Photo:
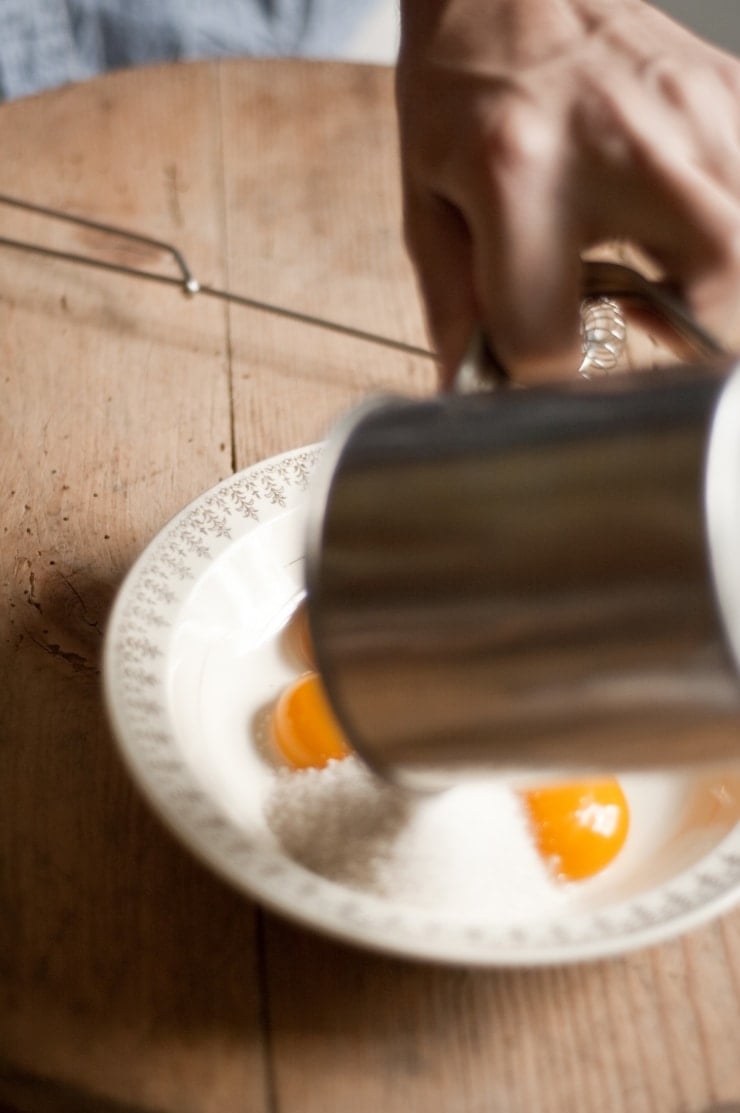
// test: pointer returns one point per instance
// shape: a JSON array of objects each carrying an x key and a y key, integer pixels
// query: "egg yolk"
[
  {"x": 300, "y": 635},
  {"x": 578, "y": 828},
  {"x": 304, "y": 729}
]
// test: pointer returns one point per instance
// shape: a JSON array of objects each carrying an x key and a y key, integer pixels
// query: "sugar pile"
[{"x": 467, "y": 850}]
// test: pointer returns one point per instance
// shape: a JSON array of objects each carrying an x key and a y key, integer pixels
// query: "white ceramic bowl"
[{"x": 195, "y": 657}]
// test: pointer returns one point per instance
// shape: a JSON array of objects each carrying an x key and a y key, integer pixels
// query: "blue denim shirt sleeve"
[{"x": 49, "y": 42}]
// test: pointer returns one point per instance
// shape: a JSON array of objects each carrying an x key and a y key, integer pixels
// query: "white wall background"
[{"x": 718, "y": 20}]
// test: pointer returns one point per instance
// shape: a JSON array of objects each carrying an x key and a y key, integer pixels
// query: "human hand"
[{"x": 532, "y": 130}]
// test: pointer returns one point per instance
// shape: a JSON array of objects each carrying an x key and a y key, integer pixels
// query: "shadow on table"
[{"x": 127, "y": 968}]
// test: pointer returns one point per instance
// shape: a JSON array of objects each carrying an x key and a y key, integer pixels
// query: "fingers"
[
  {"x": 527, "y": 251},
  {"x": 699, "y": 245},
  {"x": 698, "y": 105},
  {"x": 679, "y": 211},
  {"x": 656, "y": 186},
  {"x": 518, "y": 175},
  {"x": 440, "y": 246},
  {"x": 702, "y": 256},
  {"x": 505, "y": 255}
]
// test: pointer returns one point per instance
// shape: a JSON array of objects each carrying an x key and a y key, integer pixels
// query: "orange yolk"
[
  {"x": 304, "y": 728},
  {"x": 300, "y": 635},
  {"x": 578, "y": 828}
]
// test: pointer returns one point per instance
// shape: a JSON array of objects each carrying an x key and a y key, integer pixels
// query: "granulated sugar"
[{"x": 466, "y": 850}]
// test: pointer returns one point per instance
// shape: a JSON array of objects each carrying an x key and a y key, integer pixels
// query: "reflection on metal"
[
  {"x": 604, "y": 331},
  {"x": 521, "y": 581}
]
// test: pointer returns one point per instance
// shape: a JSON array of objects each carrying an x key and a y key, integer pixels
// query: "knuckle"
[
  {"x": 517, "y": 138},
  {"x": 599, "y": 125},
  {"x": 664, "y": 75}
]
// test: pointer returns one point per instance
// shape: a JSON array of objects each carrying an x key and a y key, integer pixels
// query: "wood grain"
[
  {"x": 128, "y": 974},
  {"x": 299, "y": 188},
  {"x": 129, "y": 971},
  {"x": 656, "y": 1031}
]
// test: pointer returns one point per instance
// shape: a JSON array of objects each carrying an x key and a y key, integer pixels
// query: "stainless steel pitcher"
[{"x": 534, "y": 581}]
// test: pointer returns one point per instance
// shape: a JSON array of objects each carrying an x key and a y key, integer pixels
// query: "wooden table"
[{"x": 129, "y": 974}]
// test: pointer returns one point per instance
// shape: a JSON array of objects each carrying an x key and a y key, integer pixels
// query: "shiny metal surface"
[
  {"x": 184, "y": 278},
  {"x": 623, "y": 290},
  {"x": 522, "y": 581}
]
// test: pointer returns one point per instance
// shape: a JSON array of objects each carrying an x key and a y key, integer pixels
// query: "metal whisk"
[
  {"x": 604, "y": 331},
  {"x": 605, "y": 286}
]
